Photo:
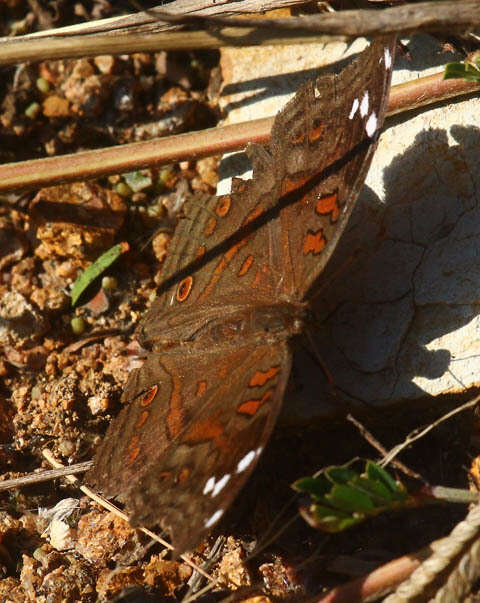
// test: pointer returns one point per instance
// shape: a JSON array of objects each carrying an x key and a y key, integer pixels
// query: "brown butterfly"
[{"x": 241, "y": 266}]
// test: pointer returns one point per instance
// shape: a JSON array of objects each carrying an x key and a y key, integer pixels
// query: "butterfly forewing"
[
  {"x": 274, "y": 234},
  {"x": 323, "y": 143}
]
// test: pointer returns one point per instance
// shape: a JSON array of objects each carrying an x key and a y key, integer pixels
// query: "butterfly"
[{"x": 234, "y": 298}]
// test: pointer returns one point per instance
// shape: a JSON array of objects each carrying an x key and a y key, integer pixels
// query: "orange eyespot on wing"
[
  {"x": 149, "y": 396},
  {"x": 223, "y": 206},
  {"x": 184, "y": 288}
]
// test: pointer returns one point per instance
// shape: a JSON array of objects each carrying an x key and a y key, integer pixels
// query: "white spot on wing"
[
  {"x": 246, "y": 461},
  {"x": 214, "y": 518},
  {"x": 388, "y": 58},
  {"x": 354, "y": 108},
  {"x": 371, "y": 125},
  {"x": 364, "y": 104},
  {"x": 209, "y": 485},
  {"x": 221, "y": 484}
]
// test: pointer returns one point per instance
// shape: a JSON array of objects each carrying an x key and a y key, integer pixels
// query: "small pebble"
[
  {"x": 43, "y": 85},
  {"x": 66, "y": 447},
  {"x": 78, "y": 325},
  {"x": 98, "y": 404},
  {"x": 155, "y": 211},
  {"x": 32, "y": 110},
  {"x": 109, "y": 283},
  {"x": 40, "y": 555},
  {"x": 165, "y": 176},
  {"x": 123, "y": 189}
]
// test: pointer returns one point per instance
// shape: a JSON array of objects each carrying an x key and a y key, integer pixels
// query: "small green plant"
[
  {"x": 87, "y": 277},
  {"x": 342, "y": 498},
  {"x": 469, "y": 70}
]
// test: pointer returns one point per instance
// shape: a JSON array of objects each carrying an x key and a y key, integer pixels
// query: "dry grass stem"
[{"x": 195, "y": 145}]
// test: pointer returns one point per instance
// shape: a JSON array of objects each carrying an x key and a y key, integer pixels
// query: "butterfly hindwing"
[{"x": 212, "y": 432}]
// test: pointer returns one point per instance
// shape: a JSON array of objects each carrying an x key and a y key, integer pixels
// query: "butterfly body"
[
  {"x": 235, "y": 294},
  {"x": 230, "y": 323}
]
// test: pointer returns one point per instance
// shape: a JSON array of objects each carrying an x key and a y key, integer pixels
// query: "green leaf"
[
  {"x": 330, "y": 520},
  {"x": 340, "y": 475},
  {"x": 350, "y": 499},
  {"x": 467, "y": 71},
  {"x": 95, "y": 269},
  {"x": 324, "y": 513},
  {"x": 378, "y": 474},
  {"x": 378, "y": 491},
  {"x": 316, "y": 487}
]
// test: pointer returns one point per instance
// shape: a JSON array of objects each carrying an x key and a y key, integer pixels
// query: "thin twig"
[
  {"x": 214, "y": 555},
  {"x": 149, "y": 22},
  {"x": 36, "y": 173},
  {"x": 44, "y": 476},
  {"x": 425, "y": 16},
  {"x": 378, "y": 582},
  {"x": 416, "y": 434},
  {"x": 381, "y": 449}
]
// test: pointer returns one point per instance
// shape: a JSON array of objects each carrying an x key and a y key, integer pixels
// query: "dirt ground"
[{"x": 61, "y": 385}]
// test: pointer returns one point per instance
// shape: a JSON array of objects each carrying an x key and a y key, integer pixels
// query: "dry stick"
[
  {"x": 21, "y": 50},
  {"x": 148, "y": 21},
  {"x": 378, "y": 582},
  {"x": 381, "y": 449},
  {"x": 427, "y": 16},
  {"x": 44, "y": 476},
  {"x": 114, "y": 160},
  {"x": 108, "y": 505},
  {"x": 194, "y": 145},
  {"x": 213, "y": 556},
  {"x": 416, "y": 435},
  {"x": 227, "y": 31}
]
